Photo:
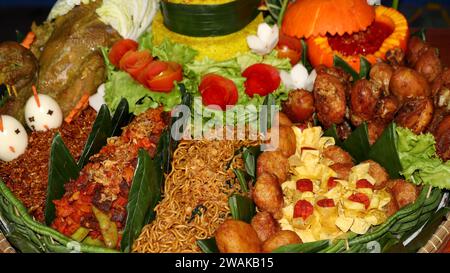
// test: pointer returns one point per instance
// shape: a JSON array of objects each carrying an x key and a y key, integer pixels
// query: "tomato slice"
[
  {"x": 331, "y": 183},
  {"x": 303, "y": 209},
  {"x": 326, "y": 203},
  {"x": 218, "y": 90},
  {"x": 304, "y": 185},
  {"x": 363, "y": 183},
  {"x": 164, "y": 82},
  {"x": 360, "y": 198},
  {"x": 152, "y": 70},
  {"x": 262, "y": 79},
  {"x": 134, "y": 62},
  {"x": 289, "y": 47},
  {"x": 119, "y": 49}
]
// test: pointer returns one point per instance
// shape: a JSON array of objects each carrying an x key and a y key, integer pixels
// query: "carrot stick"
[
  {"x": 29, "y": 39},
  {"x": 82, "y": 104},
  {"x": 36, "y": 97}
]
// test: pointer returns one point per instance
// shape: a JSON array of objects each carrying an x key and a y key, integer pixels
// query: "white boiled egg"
[
  {"x": 43, "y": 113},
  {"x": 13, "y": 138}
]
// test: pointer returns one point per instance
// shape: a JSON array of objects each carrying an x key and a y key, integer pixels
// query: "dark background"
[{"x": 17, "y": 15}]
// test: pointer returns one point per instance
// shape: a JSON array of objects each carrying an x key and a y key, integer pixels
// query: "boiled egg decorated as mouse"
[
  {"x": 42, "y": 112},
  {"x": 13, "y": 138}
]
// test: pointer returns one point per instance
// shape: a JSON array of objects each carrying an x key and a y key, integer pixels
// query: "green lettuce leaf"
[{"x": 419, "y": 160}]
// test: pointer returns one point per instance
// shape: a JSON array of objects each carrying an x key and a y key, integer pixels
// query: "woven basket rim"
[{"x": 439, "y": 238}]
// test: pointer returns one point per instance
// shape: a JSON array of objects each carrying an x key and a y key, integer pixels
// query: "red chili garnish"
[
  {"x": 360, "y": 198},
  {"x": 326, "y": 203},
  {"x": 303, "y": 209},
  {"x": 304, "y": 185},
  {"x": 363, "y": 184},
  {"x": 217, "y": 90},
  {"x": 119, "y": 49},
  {"x": 262, "y": 79},
  {"x": 331, "y": 183}
]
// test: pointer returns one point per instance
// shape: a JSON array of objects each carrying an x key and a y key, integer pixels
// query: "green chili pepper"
[
  {"x": 80, "y": 234},
  {"x": 107, "y": 227}
]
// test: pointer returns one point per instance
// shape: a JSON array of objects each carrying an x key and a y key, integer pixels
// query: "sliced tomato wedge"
[
  {"x": 304, "y": 185},
  {"x": 165, "y": 81},
  {"x": 119, "y": 49},
  {"x": 303, "y": 209},
  {"x": 360, "y": 198},
  {"x": 331, "y": 183},
  {"x": 363, "y": 184},
  {"x": 152, "y": 70},
  {"x": 326, "y": 203},
  {"x": 262, "y": 79},
  {"x": 134, "y": 62},
  {"x": 290, "y": 48},
  {"x": 218, "y": 90}
]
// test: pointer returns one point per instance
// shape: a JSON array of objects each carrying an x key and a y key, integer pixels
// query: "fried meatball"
[
  {"x": 405, "y": 193},
  {"x": 265, "y": 225},
  {"x": 387, "y": 107},
  {"x": 416, "y": 114},
  {"x": 441, "y": 81},
  {"x": 442, "y": 135},
  {"x": 282, "y": 120},
  {"x": 273, "y": 163},
  {"x": 381, "y": 74},
  {"x": 342, "y": 170},
  {"x": 338, "y": 72},
  {"x": 284, "y": 140},
  {"x": 281, "y": 238},
  {"x": 330, "y": 100},
  {"x": 407, "y": 83},
  {"x": 375, "y": 129},
  {"x": 337, "y": 154},
  {"x": 392, "y": 207},
  {"x": 237, "y": 237},
  {"x": 429, "y": 64},
  {"x": 268, "y": 195},
  {"x": 415, "y": 47},
  {"x": 299, "y": 106},
  {"x": 378, "y": 173},
  {"x": 363, "y": 101}
]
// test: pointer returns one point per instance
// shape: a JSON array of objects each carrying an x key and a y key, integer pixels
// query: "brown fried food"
[
  {"x": 282, "y": 120},
  {"x": 416, "y": 114},
  {"x": 378, "y": 173},
  {"x": 338, "y": 72},
  {"x": 407, "y": 83},
  {"x": 395, "y": 57},
  {"x": 281, "y": 238},
  {"x": 441, "y": 81},
  {"x": 267, "y": 194},
  {"x": 237, "y": 237},
  {"x": 337, "y": 154},
  {"x": 415, "y": 47},
  {"x": 363, "y": 101},
  {"x": 429, "y": 64},
  {"x": 442, "y": 135},
  {"x": 286, "y": 140},
  {"x": 300, "y": 106},
  {"x": 392, "y": 207},
  {"x": 387, "y": 107},
  {"x": 330, "y": 100},
  {"x": 265, "y": 225},
  {"x": 18, "y": 68},
  {"x": 375, "y": 129},
  {"x": 273, "y": 163},
  {"x": 344, "y": 130},
  {"x": 405, "y": 193},
  {"x": 342, "y": 170},
  {"x": 381, "y": 74}
]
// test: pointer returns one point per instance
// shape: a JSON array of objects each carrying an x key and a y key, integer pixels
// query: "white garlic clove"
[
  {"x": 43, "y": 113},
  {"x": 13, "y": 138}
]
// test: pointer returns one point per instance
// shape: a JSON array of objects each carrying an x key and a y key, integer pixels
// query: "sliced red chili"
[
  {"x": 303, "y": 209},
  {"x": 360, "y": 198},
  {"x": 304, "y": 185},
  {"x": 331, "y": 183},
  {"x": 326, "y": 203},
  {"x": 364, "y": 184}
]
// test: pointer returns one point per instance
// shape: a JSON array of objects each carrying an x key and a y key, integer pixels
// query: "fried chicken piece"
[
  {"x": 363, "y": 101},
  {"x": 273, "y": 163},
  {"x": 416, "y": 114},
  {"x": 235, "y": 236},
  {"x": 381, "y": 74},
  {"x": 281, "y": 238},
  {"x": 267, "y": 195},
  {"x": 265, "y": 225}
]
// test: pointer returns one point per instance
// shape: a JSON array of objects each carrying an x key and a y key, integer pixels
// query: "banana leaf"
[
  {"x": 384, "y": 151},
  {"x": 145, "y": 193},
  {"x": 357, "y": 144},
  {"x": 121, "y": 117},
  {"x": 208, "y": 245},
  {"x": 250, "y": 157},
  {"x": 365, "y": 68},
  {"x": 101, "y": 130},
  {"x": 240, "y": 175},
  {"x": 305, "y": 60},
  {"x": 332, "y": 132},
  {"x": 242, "y": 208},
  {"x": 339, "y": 62},
  {"x": 62, "y": 168}
]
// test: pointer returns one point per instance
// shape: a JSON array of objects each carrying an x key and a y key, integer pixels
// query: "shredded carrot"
[
  {"x": 36, "y": 97},
  {"x": 29, "y": 39},
  {"x": 81, "y": 105}
]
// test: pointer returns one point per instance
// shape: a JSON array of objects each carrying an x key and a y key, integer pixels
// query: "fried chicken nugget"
[
  {"x": 265, "y": 225},
  {"x": 281, "y": 238},
  {"x": 268, "y": 195},
  {"x": 235, "y": 236}
]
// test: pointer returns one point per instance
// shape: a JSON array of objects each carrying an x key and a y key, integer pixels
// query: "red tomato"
[
  {"x": 303, "y": 209},
  {"x": 134, "y": 62},
  {"x": 217, "y": 90},
  {"x": 363, "y": 183},
  {"x": 164, "y": 82},
  {"x": 262, "y": 79},
  {"x": 360, "y": 198},
  {"x": 289, "y": 47},
  {"x": 304, "y": 185},
  {"x": 119, "y": 49},
  {"x": 326, "y": 203},
  {"x": 331, "y": 183}
]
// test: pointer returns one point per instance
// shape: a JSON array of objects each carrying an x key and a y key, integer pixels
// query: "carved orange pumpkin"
[
  {"x": 306, "y": 18},
  {"x": 389, "y": 31}
]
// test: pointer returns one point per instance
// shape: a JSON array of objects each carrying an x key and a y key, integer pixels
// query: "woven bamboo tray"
[
  {"x": 439, "y": 238},
  {"x": 5, "y": 247}
]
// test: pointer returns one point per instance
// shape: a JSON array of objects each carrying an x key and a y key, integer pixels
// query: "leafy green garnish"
[
  {"x": 357, "y": 144},
  {"x": 242, "y": 208},
  {"x": 208, "y": 245},
  {"x": 62, "y": 168}
]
